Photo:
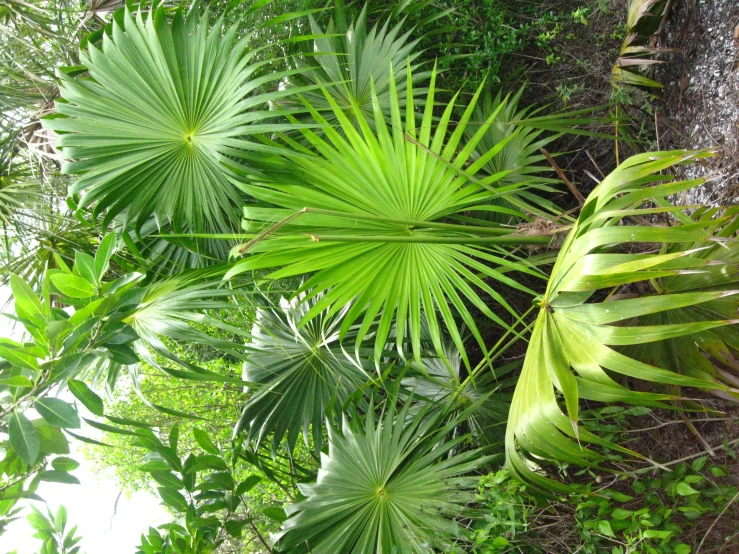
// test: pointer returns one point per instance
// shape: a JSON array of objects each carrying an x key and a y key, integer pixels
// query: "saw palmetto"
[
  {"x": 164, "y": 119},
  {"x": 302, "y": 374},
  {"x": 351, "y": 61},
  {"x": 601, "y": 301},
  {"x": 372, "y": 217},
  {"x": 389, "y": 483}
]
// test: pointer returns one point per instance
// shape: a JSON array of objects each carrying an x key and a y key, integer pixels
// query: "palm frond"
[
  {"x": 46, "y": 240},
  {"x": 442, "y": 383},
  {"x": 346, "y": 61},
  {"x": 577, "y": 351},
  {"x": 389, "y": 484},
  {"x": 302, "y": 374},
  {"x": 17, "y": 193},
  {"x": 637, "y": 52},
  {"x": 155, "y": 129},
  {"x": 713, "y": 353},
  {"x": 173, "y": 309},
  {"x": 370, "y": 217},
  {"x": 158, "y": 250},
  {"x": 519, "y": 159}
]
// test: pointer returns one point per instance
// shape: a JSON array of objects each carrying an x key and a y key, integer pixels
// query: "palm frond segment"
[{"x": 577, "y": 347}]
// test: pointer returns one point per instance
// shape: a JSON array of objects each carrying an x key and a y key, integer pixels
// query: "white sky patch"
[{"x": 108, "y": 520}]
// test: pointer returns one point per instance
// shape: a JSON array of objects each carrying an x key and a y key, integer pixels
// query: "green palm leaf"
[
  {"x": 173, "y": 309},
  {"x": 45, "y": 240},
  {"x": 370, "y": 216},
  {"x": 385, "y": 486},
  {"x": 443, "y": 383},
  {"x": 17, "y": 193},
  {"x": 519, "y": 159},
  {"x": 156, "y": 128},
  {"x": 157, "y": 251},
  {"x": 347, "y": 66},
  {"x": 302, "y": 373},
  {"x": 576, "y": 347},
  {"x": 712, "y": 353}
]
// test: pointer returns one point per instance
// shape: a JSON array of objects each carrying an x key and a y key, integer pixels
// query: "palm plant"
[
  {"x": 637, "y": 54},
  {"x": 44, "y": 240},
  {"x": 302, "y": 374},
  {"x": 571, "y": 333},
  {"x": 17, "y": 193},
  {"x": 157, "y": 128},
  {"x": 158, "y": 250},
  {"x": 441, "y": 382},
  {"x": 519, "y": 160},
  {"x": 347, "y": 61},
  {"x": 387, "y": 484},
  {"x": 174, "y": 309},
  {"x": 712, "y": 353},
  {"x": 370, "y": 219}
]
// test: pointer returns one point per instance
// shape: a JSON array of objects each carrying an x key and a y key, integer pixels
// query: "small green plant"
[
  {"x": 566, "y": 92},
  {"x": 580, "y": 15},
  {"x": 52, "y": 530},
  {"x": 655, "y": 517},
  {"x": 545, "y": 39},
  {"x": 507, "y": 514}
]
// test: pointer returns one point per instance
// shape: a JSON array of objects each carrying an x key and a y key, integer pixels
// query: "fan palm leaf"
[
  {"x": 17, "y": 193},
  {"x": 443, "y": 383},
  {"x": 46, "y": 240},
  {"x": 348, "y": 60},
  {"x": 173, "y": 309},
  {"x": 369, "y": 216},
  {"x": 301, "y": 373},
  {"x": 577, "y": 346},
  {"x": 520, "y": 158},
  {"x": 386, "y": 485},
  {"x": 158, "y": 250},
  {"x": 156, "y": 127}
]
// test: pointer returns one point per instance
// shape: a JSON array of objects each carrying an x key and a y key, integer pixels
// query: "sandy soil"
[{"x": 700, "y": 106}]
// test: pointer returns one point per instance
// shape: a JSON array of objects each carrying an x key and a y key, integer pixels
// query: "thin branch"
[
  {"x": 570, "y": 185},
  {"x": 697, "y": 550}
]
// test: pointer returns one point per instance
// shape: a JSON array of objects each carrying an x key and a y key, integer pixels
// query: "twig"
[
  {"x": 663, "y": 424},
  {"x": 686, "y": 458},
  {"x": 595, "y": 163},
  {"x": 264, "y": 234},
  {"x": 616, "y": 128},
  {"x": 573, "y": 189},
  {"x": 697, "y": 550},
  {"x": 698, "y": 435}
]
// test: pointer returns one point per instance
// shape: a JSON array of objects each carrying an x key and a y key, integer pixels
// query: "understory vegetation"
[{"x": 333, "y": 277}]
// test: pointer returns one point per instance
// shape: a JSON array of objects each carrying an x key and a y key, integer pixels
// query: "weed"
[
  {"x": 566, "y": 92},
  {"x": 580, "y": 15},
  {"x": 653, "y": 513}
]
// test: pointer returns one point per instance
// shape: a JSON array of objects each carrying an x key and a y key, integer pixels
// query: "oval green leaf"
[
  {"x": 72, "y": 286},
  {"x": 58, "y": 413}
]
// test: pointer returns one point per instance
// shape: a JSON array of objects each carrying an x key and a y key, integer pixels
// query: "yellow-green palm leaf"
[
  {"x": 373, "y": 218},
  {"x": 577, "y": 349}
]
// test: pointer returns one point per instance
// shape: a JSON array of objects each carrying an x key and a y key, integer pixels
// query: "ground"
[{"x": 700, "y": 104}]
